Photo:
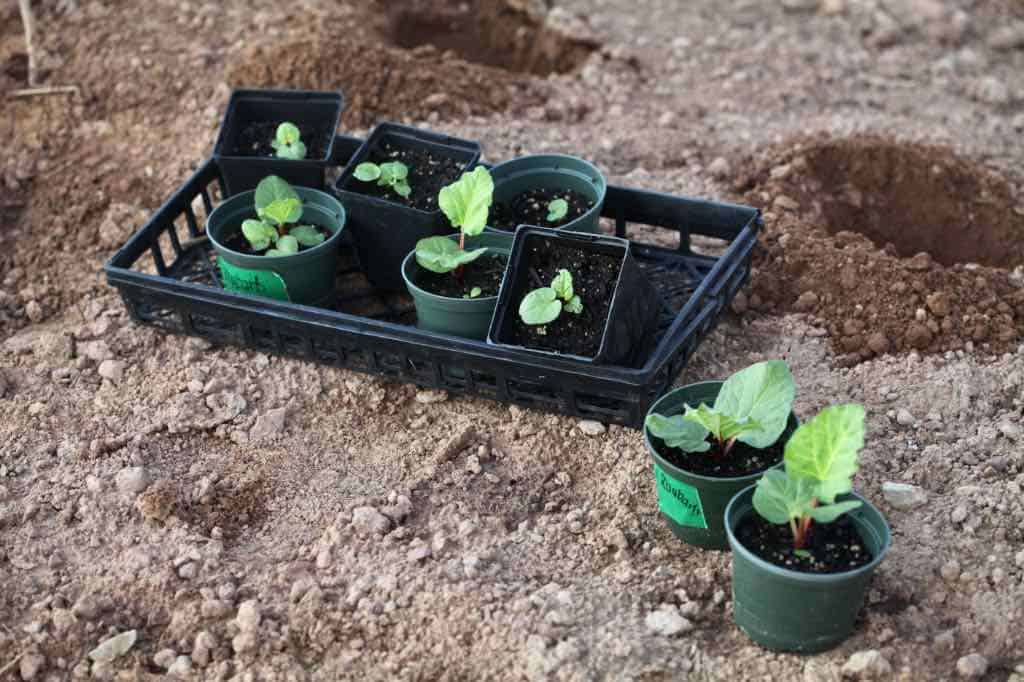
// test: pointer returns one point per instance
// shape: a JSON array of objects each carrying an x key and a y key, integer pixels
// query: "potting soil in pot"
[
  {"x": 831, "y": 547},
  {"x": 742, "y": 459},
  {"x": 429, "y": 171},
  {"x": 255, "y": 139},
  {"x": 485, "y": 272},
  {"x": 531, "y": 208}
]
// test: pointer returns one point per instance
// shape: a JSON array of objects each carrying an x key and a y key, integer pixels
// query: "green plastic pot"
[
  {"x": 306, "y": 277},
  {"x": 787, "y": 610},
  {"x": 692, "y": 504},
  {"x": 557, "y": 171},
  {"x": 466, "y": 317}
]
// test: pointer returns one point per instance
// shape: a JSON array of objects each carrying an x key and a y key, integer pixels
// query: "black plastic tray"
[{"x": 167, "y": 279}]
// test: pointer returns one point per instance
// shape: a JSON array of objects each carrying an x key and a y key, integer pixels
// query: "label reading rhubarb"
[
  {"x": 255, "y": 282},
  {"x": 679, "y": 501}
]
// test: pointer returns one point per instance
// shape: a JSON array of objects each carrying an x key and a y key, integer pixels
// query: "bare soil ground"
[{"x": 258, "y": 518}]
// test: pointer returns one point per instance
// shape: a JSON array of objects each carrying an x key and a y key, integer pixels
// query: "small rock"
[
  {"x": 878, "y": 342},
  {"x": 950, "y": 570},
  {"x": 30, "y": 665},
  {"x": 248, "y": 617},
  {"x": 165, "y": 658},
  {"x": 399, "y": 511},
  {"x": 203, "y": 648},
  {"x": 591, "y": 428},
  {"x": 34, "y": 311},
  {"x": 1019, "y": 559},
  {"x": 944, "y": 642},
  {"x": 87, "y": 607},
  {"x": 429, "y": 397},
  {"x": 919, "y": 262},
  {"x": 959, "y": 514},
  {"x": 807, "y": 302},
  {"x": 866, "y": 665},
  {"x": 786, "y": 203},
  {"x": 419, "y": 553},
  {"x": 243, "y": 642},
  {"x": 903, "y": 495},
  {"x": 1010, "y": 431},
  {"x": 181, "y": 668},
  {"x": 132, "y": 480},
  {"x": 800, "y": 5},
  {"x": 919, "y": 336},
  {"x": 112, "y": 370},
  {"x": 972, "y": 665},
  {"x": 904, "y": 417},
  {"x": 990, "y": 90},
  {"x": 1009, "y": 37},
  {"x": 740, "y": 303},
  {"x": 188, "y": 570},
  {"x": 667, "y": 622},
  {"x": 369, "y": 520},
  {"x": 114, "y": 647},
  {"x": 268, "y": 425},
  {"x": 719, "y": 168}
]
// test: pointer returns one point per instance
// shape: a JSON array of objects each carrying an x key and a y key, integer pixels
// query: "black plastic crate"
[{"x": 167, "y": 278}]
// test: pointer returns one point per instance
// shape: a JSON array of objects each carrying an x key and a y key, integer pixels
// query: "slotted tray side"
[{"x": 167, "y": 277}]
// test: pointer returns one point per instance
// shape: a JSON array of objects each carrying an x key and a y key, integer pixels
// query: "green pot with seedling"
[
  {"x": 454, "y": 280},
  {"x": 287, "y": 133},
  {"x": 548, "y": 190},
  {"x": 278, "y": 241},
  {"x": 804, "y": 545},
  {"x": 712, "y": 439}
]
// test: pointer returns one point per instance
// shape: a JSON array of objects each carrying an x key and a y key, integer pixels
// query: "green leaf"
[
  {"x": 830, "y": 512},
  {"x": 393, "y": 171},
  {"x": 287, "y": 245},
  {"x": 441, "y": 254},
  {"x": 273, "y": 188},
  {"x": 762, "y": 393},
  {"x": 540, "y": 306},
  {"x": 258, "y": 234},
  {"x": 779, "y": 498},
  {"x": 466, "y": 201},
  {"x": 562, "y": 284},
  {"x": 723, "y": 426},
  {"x": 367, "y": 172},
  {"x": 803, "y": 554},
  {"x": 287, "y": 134},
  {"x": 275, "y": 252},
  {"x": 402, "y": 188},
  {"x": 825, "y": 450},
  {"x": 307, "y": 235},
  {"x": 557, "y": 210},
  {"x": 281, "y": 211},
  {"x": 574, "y": 306},
  {"x": 475, "y": 292},
  {"x": 292, "y": 152},
  {"x": 678, "y": 432}
]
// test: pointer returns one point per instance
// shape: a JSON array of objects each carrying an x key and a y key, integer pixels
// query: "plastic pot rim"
[
  {"x": 410, "y": 260},
  {"x": 800, "y": 576},
  {"x": 250, "y": 194}
]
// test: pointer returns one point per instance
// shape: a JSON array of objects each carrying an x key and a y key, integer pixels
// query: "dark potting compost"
[
  {"x": 742, "y": 459},
  {"x": 485, "y": 272},
  {"x": 255, "y": 139},
  {"x": 237, "y": 242},
  {"x": 831, "y": 548},
  {"x": 429, "y": 171},
  {"x": 531, "y": 208}
]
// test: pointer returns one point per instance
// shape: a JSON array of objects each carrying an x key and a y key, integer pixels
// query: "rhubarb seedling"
[
  {"x": 278, "y": 207},
  {"x": 543, "y": 306},
  {"x": 393, "y": 174},
  {"x": 287, "y": 142}
]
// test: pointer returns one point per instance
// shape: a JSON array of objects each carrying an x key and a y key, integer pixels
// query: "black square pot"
[
  {"x": 632, "y": 316},
  {"x": 385, "y": 232},
  {"x": 308, "y": 109}
]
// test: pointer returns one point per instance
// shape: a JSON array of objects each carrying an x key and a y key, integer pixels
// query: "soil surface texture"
[
  {"x": 594, "y": 277},
  {"x": 429, "y": 172},
  {"x": 531, "y": 208},
  {"x": 237, "y": 242},
  {"x": 830, "y": 548},
  {"x": 742, "y": 459},
  {"x": 255, "y": 139},
  {"x": 485, "y": 272}
]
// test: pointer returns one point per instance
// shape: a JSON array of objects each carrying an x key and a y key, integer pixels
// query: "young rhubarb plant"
[
  {"x": 752, "y": 407},
  {"x": 278, "y": 207},
  {"x": 287, "y": 142},
  {"x": 393, "y": 174},
  {"x": 557, "y": 210},
  {"x": 543, "y": 306},
  {"x": 821, "y": 459}
]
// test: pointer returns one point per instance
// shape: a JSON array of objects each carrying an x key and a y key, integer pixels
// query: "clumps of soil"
[
  {"x": 872, "y": 298},
  {"x": 831, "y": 547},
  {"x": 594, "y": 278},
  {"x": 429, "y": 171},
  {"x": 531, "y": 208},
  {"x": 485, "y": 272},
  {"x": 742, "y": 459},
  {"x": 237, "y": 242},
  {"x": 255, "y": 138}
]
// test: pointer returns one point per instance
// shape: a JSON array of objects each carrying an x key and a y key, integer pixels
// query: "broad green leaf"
[
  {"x": 540, "y": 306},
  {"x": 779, "y": 498},
  {"x": 307, "y": 235},
  {"x": 292, "y": 152},
  {"x": 803, "y": 553},
  {"x": 258, "y": 234},
  {"x": 281, "y": 211},
  {"x": 402, "y": 188},
  {"x": 273, "y": 188},
  {"x": 574, "y": 306},
  {"x": 678, "y": 432},
  {"x": 763, "y": 393},
  {"x": 830, "y": 512},
  {"x": 441, "y": 254},
  {"x": 562, "y": 284},
  {"x": 466, "y": 201},
  {"x": 723, "y": 426},
  {"x": 287, "y": 244},
  {"x": 367, "y": 172},
  {"x": 287, "y": 133},
  {"x": 825, "y": 450},
  {"x": 557, "y": 210},
  {"x": 393, "y": 171},
  {"x": 475, "y": 292}
]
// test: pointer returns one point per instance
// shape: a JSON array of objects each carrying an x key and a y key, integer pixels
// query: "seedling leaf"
[
  {"x": 441, "y": 254},
  {"x": 574, "y": 306},
  {"x": 307, "y": 235},
  {"x": 271, "y": 189},
  {"x": 825, "y": 450},
  {"x": 473, "y": 293},
  {"x": 723, "y": 426},
  {"x": 677, "y": 432},
  {"x": 281, "y": 211},
  {"x": 367, "y": 172},
  {"x": 540, "y": 306},
  {"x": 779, "y": 498},
  {"x": 562, "y": 285},
  {"x": 557, "y": 210},
  {"x": 762, "y": 393},
  {"x": 830, "y": 512},
  {"x": 258, "y": 234},
  {"x": 402, "y": 189},
  {"x": 466, "y": 201},
  {"x": 287, "y": 133}
]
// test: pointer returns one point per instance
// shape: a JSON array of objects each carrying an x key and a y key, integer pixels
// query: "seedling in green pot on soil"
[
  {"x": 274, "y": 232},
  {"x": 543, "y": 306},
  {"x": 393, "y": 174},
  {"x": 287, "y": 142},
  {"x": 821, "y": 459},
  {"x": 465, "y": 202},
  {"x": 557, "y": 210},
  {"x": 752, "y": 407}
]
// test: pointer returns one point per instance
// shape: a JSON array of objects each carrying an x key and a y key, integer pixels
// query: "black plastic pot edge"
[
  {"x": 385, "y": 232},
  {"x": 631, "y": 316},
  {"x": 242, "y": 173}
]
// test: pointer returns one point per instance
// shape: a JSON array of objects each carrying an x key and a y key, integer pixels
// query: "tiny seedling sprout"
[
  {"x": 278, "y": 207},
  {"x": 393, "y": 174},
  {"x": 557, "y": 210},
  {"x": 287, "y": 143},
  {"x": 544, "y": 305},
  {"x": 752, "y": 407}
]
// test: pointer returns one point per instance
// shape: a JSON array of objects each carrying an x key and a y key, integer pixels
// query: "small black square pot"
[
  {"x": 632, "y": 316},
  {"x": 385, "y": 232},
  {"x": 319, "y": 111}
]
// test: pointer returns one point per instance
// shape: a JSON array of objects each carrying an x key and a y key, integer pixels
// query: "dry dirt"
[{"x": 258, "y": 518}]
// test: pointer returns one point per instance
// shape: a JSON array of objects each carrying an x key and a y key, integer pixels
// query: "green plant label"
[
  {"x": 679, "y": 501},
  {"x": 255, "y": 282}
]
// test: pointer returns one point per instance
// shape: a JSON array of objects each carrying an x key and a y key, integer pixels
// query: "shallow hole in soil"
[
  {"x": 492, "y": 32},
  {"x": 917, "y": 198}
]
